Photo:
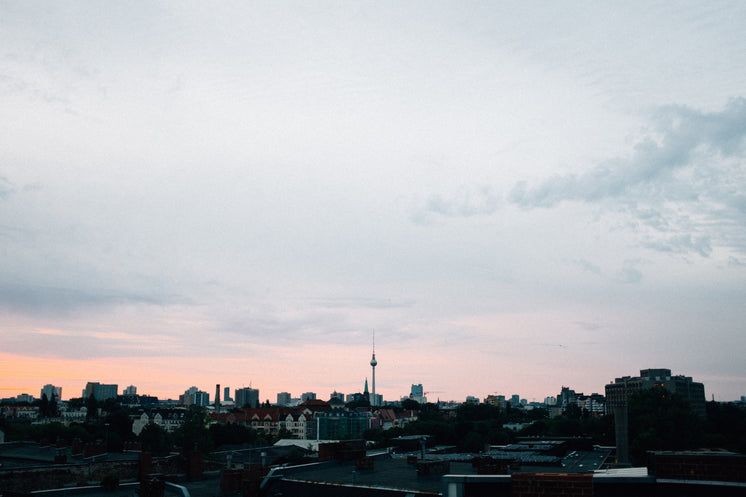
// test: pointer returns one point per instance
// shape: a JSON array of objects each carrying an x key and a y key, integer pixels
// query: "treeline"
[
  {"x": 114, "y": 430},
  {"x": 472, "y": 427}
]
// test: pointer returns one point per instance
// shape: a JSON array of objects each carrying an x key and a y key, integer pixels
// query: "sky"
[{"x": 506, "y": 197}]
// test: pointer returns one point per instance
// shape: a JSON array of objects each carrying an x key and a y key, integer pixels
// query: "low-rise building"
[
  {"x": 337, "y": 424},
  {"x": 168, "y": 419}
]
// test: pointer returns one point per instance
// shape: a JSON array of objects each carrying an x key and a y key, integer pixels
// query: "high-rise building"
[
  {"x": 417, "y": 394},
  {"x": 227, "y": 394},
  {"x": 194, "y": 396},
  {"x": 130, "y": 390},
  {"x": 567, "y": 397},
  {"x": 337, "y": 395},
  {"x": 283, "y": 399},
  {"x": 247, "y": 397},
  {"x": 201, "y": 399},
  {"x": 619, "y": 392},
  {"x": 51, "y": 391},
  {"x": 100, "y": 391},
  {"x": 307, "y": 396}
]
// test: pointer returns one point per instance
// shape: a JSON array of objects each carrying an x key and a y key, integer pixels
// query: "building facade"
[
  {"x": 337, "y": 424},
  {"x": 51, "y": 391},
  {"x": 100, "y": 391},
  {"x": 307, "y": 396},
  {"x": 619, "y": 392},
  {"x": 247, "y": 397}
]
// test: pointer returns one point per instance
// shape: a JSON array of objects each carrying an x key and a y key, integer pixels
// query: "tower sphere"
[{"x": 373, "y": 362}]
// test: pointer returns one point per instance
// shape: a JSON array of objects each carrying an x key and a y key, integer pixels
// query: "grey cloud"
[
  {"x": 45, "y": 300},
  {"x": 629, "y": 272},
  {"x": 5, "y": 187},
  {"x": 682, "y": 243},
  {"x": 680, "y": 133},
  {"x": 589, "y": 326},
  {"x": 480, "y": 201},
  {"x": 76, "y": 345},
  {"x": 736, "y": 262},
  {"x": 588, "y": 266},
  {"x": 365, "y": 303},
  {"x": 682, "y": 184}
]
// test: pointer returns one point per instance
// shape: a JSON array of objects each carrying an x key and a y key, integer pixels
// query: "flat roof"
[{"x": 387, "y": 472}]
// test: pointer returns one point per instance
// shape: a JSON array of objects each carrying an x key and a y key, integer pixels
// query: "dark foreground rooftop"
[{"x": 386, "y": 473}]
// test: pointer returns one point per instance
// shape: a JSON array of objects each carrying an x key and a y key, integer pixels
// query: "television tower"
[{"x": 373, "y": 364}]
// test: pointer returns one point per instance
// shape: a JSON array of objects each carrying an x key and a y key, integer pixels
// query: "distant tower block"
[{"x": 373, "y": 364}]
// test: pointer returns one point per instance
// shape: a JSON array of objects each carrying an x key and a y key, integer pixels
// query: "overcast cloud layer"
[{"x": 514, "y": 196}]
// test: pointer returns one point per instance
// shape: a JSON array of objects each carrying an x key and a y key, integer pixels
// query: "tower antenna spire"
[{"x": 373, "y": 363}]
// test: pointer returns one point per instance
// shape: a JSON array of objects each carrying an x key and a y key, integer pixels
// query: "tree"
[
  {"x": 44, "y": 406},
  {"x": 91, "y": 405},
  {"x": 154, "y": 439},
  {"x": 193, "y": 432},
  {"x": 118, "y": 428},
  {"x": 231, "y": 433},
  {"x": 362, "y": 402},
  {"x": 661, "y": 420},
  {"x": 572, "y": 411},
  {"x": 726, "y": 427}
]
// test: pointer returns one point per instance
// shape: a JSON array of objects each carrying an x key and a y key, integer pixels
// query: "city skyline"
[
  {"x": 513, "y": 196},
  {"x": 417, "y": 391}
]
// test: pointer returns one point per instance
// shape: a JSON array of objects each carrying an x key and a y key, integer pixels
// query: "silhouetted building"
[
  {"x": 194, "y": 397},
  {"x": 247, "y": 397},
  {"x": 619, "y": 392},
  {"x": 567, "y": 397},
  {"x": 307, "y": 396},
  {"x": 51, "y": 391},
  {"x": 283, "y": 399},
  {"x": 356, "y": 397},
  {"x": 100, "y": 391},
  {"x": 417, "y": 393}
]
